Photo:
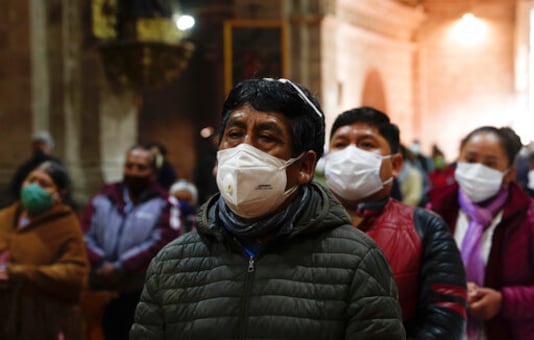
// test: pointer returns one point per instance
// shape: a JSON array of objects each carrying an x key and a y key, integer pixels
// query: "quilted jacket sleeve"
[
  {"x": 441, "y": 307},
  {"x": 374, "y": 309},
  {"x": 149, "y": 322}
]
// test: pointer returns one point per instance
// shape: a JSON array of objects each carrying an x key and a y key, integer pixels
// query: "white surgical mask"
[
  {"x": 478, "y": 181},
  {"x": 252, "y": 182},
  {"x": 353, "y": 173}
]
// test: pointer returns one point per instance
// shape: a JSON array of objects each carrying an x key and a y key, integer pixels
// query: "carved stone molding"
[{"x": 386, "y": 17}]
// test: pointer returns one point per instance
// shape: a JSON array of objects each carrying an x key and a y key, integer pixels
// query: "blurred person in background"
[
  {"x": 424, "y": 164},
  {"x": 410, "y": 178},
  {"x": 43, "y": 263},
  {"x": 492, "y": 219},
  {"x": 184, "y": 194},
  {"x": 364, "y": 158},
  {"x": 42, "y": 146},
  {"x": 125, "y": 225},
  {"x": 166, "y": 174},
  {"x": 443, "y": 174},
  {"x": 423, "y": 161}
]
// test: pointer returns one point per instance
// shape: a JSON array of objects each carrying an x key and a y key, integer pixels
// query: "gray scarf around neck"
[{"x": 275, "y": 225}]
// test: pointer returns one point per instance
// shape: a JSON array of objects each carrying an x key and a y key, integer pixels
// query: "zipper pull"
[{"x": 251, "y": 264}]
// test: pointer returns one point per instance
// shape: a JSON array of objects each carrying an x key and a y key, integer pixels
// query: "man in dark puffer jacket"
[
  {"x": 273, "y": 256},
  {"x": 363, "y": 159}
]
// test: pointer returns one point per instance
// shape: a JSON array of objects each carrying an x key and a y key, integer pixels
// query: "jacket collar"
[
  {"x": 322, "y": 212},
  {"x": 55, "y": 211},
  {"x": 115, "y": 193},
  {"x": 370, "y": 211},
  {"x": 444, "y": 201},
  {"x": 366, "y": 209}
]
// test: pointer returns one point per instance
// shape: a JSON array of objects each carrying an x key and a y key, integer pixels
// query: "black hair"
[
  {"x": 57, "y": 173},
  {"x": 307, "y": 126},
  {"x": 148, "y": 148},
  {"x": 510, "y": 141},
  {"x": 373, "y": 117}
]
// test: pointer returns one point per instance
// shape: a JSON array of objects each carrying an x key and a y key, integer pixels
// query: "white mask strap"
[
  {"x": 292, "y": 160},
  {"x": 387, "y": 181}
]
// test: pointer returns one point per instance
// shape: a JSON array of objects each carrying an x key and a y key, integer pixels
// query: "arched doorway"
[{"x": 373, "y": 91}]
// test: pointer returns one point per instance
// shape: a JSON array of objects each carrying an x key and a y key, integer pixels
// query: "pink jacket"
[{"x": 510, "y": 267}]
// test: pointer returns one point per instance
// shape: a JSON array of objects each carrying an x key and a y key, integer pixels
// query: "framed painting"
[{"x": 254, "y": 49}]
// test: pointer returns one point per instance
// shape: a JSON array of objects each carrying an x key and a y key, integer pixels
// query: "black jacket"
[{"x": 427, "y": 266}]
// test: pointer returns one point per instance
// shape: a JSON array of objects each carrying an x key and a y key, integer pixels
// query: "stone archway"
[{"x": 373, "y": 93}]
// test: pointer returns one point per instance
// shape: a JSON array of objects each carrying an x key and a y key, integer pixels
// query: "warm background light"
[
  {"x": 207, "y": 132},
  {"x": 469, "y": 29},
  {"x": 185, "y": 22}
]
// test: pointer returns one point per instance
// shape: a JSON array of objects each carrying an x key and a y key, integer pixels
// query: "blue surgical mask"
[{"x": 35, "y": 199}]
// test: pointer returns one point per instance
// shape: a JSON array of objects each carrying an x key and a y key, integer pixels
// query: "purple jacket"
[
  {"x": 510, "y": 267},
  {"x": 131, "y": 238}
]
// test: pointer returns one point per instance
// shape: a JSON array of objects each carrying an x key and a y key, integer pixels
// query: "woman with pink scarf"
[{"x": 492, "y": 220}]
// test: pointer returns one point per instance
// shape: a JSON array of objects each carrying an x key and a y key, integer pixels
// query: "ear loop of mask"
[
  {"x": 389, "y": 180},
  {"x": 291, "y": 161}
]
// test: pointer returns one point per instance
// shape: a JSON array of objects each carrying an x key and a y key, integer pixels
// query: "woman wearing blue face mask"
[
  {"x": 492, "y": 219},
  {"x": 43, "y": 265}
]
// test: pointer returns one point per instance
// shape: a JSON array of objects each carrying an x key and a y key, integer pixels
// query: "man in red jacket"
[{"x": 363, "y": 160}]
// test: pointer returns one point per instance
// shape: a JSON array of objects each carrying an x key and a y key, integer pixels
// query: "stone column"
[
  {"x": 305, "y": 18},
  {"x": 40, "y": 99},
  {"x": 94, "y": 125},
  {"x": 118, "y": 126},
  {"x": 71, "y": 82},
  {"x": 16, "y": 88}
]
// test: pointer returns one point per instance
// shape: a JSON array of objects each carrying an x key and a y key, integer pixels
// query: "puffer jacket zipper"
[
  {"x": 251, "y": 271},
  {"x": 251, "y": 265}
]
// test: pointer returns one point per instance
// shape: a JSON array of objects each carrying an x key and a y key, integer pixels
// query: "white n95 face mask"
[
  {"x": 478, "y": 181},
  {"x": 252, "y": 182},
  {"x": 353, "y": 173}
]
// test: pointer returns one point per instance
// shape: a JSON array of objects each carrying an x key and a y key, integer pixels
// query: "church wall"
[
  {"x": 353, "y": 48},
  {"x": 15, "y": 88},
  {"x": 466, "y": 85}
]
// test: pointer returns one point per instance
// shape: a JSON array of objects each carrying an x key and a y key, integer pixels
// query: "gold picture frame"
[{"x": 253, "y": 49}]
